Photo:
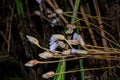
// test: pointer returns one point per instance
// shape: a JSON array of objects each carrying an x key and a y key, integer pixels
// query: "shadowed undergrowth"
[{"x": 96, "y": 24}]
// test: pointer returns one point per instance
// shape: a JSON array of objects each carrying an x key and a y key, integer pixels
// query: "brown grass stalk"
[
  {"x": 91, "y": 69},
  {"x": 10, "y": 26},
  {"x": 55, "y": 6},
  {"x": 71, "y": 3},
  {"x": 87, "y": 23},
  {"x": 100, "y": 21}
]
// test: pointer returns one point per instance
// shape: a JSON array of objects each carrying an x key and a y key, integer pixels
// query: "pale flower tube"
[
  {"x": 59, "y": 36},
  {"x": 74, "y": 51},
  {"x": 45, "y": 55}
]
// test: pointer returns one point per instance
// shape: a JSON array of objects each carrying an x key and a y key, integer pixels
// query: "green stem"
[
  {"x": 20, "y": 8},
  {"x": 61, "y": 68},
  {"x": 77, "y": 3}
]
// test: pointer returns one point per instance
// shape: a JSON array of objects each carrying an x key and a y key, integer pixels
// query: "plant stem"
[
  {"x": 60, "y": 69},
  {"x": 77, "y": 3},
  {"x": 87, "y": 23},
  {"x": 90, "y": 69}
]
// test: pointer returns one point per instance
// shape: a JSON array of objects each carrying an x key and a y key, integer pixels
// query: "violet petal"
[
  {"x": 75, "y": 35},
  {"x": 79, "y": 38},
  {"x": 39, "y": 1},
  {"x": 53, "y": 47},
  {"x": 52, "y": 40},
  {"x": 76, "y": 51},
  {"x": 73, "y": 51}
]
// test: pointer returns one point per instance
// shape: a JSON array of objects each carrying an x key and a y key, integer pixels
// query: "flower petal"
[
  {"x": 79, "y": 38},
  {"x": 53, "y": 47},
  {"x": 52, "y": 40},
  {"x": 39, "y": 1}
]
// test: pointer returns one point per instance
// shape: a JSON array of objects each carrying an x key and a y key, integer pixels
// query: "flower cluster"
[{"x": 57, "y": 40}]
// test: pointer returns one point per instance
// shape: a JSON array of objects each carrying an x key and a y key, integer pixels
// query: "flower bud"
[
  {"x": 61, "y": 44},
  {"x": 37, "y": 13},
  {"x": 48, "y": 75},
  {"x": 71, "y": 26},
  {"x": 59, "y": 11},
  {"x": 69, "y": 31},
  {"x": 32, "y": 39},
  {"x": 32, "y": 63},
  {"x": 46, "y": 55}
]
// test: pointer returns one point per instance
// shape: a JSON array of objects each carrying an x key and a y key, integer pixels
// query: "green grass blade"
[
  {"x": 76, "y": 7},
  {"x": 77, "y": 3},
  {"x": 61, "y": 68},
  {"x": 19, "y": 6}
]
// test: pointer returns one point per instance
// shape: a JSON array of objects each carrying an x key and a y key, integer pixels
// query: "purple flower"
[
  {"x": 76, "y": 51},
  {"x": 75, "y": 35},
  {"x": 52, "y": 40},
  {"x": 53, "y": 47},
  {"x": 73, "y": 51},
  {"x": 39, "y": 1},
  {"x": 79, "y": 38},
  {"x": 55, "y": 21}
]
